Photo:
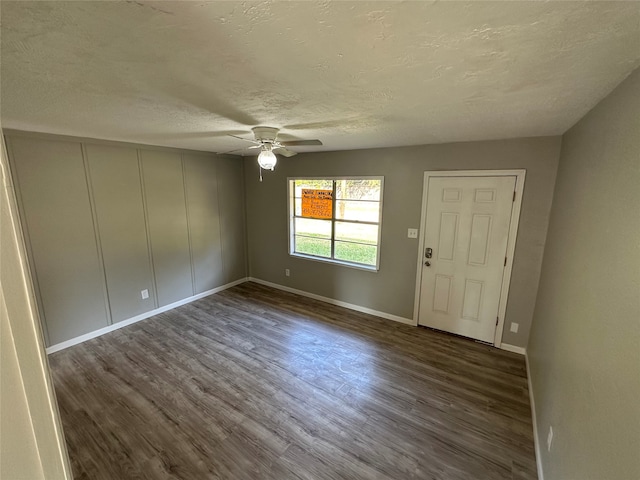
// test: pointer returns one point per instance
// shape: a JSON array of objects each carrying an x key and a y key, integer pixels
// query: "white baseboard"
[
  {"x": 96, "y": 333},
  {"x": 351, "y": 306},
  {"x": 536, "y": 437},
  {"x": 513, "y": 348}
]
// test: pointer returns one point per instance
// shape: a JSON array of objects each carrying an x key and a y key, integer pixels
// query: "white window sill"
[{"x": 357, "y": 266}]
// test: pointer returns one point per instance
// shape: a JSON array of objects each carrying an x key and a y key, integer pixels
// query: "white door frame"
[{"x": 511, "y": 241}]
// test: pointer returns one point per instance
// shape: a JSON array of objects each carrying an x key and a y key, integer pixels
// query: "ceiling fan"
[{"x": 266, "y": 139}]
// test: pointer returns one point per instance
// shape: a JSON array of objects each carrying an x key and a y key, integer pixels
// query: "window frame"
[{"x": 292, "y": 216}]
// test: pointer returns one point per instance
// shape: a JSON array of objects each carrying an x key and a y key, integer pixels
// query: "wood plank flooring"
[{"x": 256, "y": 383}]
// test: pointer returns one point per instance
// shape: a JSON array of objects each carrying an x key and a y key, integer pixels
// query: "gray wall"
[
  {"x": 231, "y": 194},
  {"x": 392, "y": 289},
  {"x": 105, "y": 220},
  {"x": 584, "y": 350}
]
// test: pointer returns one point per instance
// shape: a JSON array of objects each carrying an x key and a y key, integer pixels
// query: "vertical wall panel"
[
  {"x": 204, "y": 221},
  {"x": 117, "y": 194},
  {"x": 232, "y": 218},
  {"x": 167, "y": 218},
  {"x": 57, "y": 212}
]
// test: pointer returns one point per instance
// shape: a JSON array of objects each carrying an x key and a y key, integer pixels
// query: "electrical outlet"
[
  {"x": 549, "y": 438},
  {"x": 144, "y": 294},
  {"x": 287, "y": 272},
  {"x": 412, "y": 233},
  {"x": 514, "y": 327}
]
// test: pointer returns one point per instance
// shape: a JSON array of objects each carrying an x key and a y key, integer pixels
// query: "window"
[{"x": 336, "y": 220}]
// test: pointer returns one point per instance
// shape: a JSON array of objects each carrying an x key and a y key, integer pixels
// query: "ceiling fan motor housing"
[{"x": 265, "y": 134}]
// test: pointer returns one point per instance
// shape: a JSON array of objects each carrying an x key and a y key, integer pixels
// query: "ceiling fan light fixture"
[{"x": 267, "y": 159}]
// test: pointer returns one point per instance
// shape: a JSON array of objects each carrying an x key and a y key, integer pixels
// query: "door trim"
[{"x": 511, "y": 241}]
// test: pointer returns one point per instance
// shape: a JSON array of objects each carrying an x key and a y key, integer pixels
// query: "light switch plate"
[
  {"x": 412, "y": 233},
  {"x": 144, "y": 294},
  {"x": 514, "y": 327}
]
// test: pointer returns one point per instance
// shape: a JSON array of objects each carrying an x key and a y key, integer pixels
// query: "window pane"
[
  {"x": 355, "y": 252},
  {"x": 313, "y": 246},
  {"x": 358, "y": 189},
  {"x": 313, "y": 184},
  {"x": 313, "y": 228},
  {"x": 356, "y": 210},
  {"x": 317, "y": 203},
  {"x": 354, "y": 232}
]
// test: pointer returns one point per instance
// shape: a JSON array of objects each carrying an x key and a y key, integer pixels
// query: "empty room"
[{"x": 320, "y": 240}]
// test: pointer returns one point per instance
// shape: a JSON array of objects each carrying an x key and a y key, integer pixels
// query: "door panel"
[
  {"x": 447, "y": 236},
  {"x": 467, "y": 226},
  {"x": 442, "y": 293},
  {"x": 480, "y": 237},
  {"x": 472, "y": 299}
]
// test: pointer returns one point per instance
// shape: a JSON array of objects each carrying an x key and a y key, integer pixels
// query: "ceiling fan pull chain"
[{"x": 260, "y": 168}]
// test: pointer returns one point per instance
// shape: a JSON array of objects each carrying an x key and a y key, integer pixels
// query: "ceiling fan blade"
[
  {"x": 245, "y": 139},
  {"x": 190, "y": 135},
  {"x": 232, "y": 151},
  {"x": 300, "y": 143},
  {"x": 241, "y": 149},
  {"x": 284, "y": 152}
]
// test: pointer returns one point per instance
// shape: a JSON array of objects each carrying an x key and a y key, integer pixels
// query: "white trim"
[
  {"x": 520, "y": 175},
  {"x": 513, "y": 348},
  {"x": 340, "y": 303},
  {"x": 357, "y": 266},
  {"x": 511, "y": 248},
  {"x": 536, "y": 437},
  {"x": 96, "y": 333}
]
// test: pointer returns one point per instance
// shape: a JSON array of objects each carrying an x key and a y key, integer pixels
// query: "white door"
[{"x": 467, "y": 228}]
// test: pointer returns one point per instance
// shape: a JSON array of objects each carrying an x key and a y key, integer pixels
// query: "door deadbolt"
[{"x": 428, "y": 253}]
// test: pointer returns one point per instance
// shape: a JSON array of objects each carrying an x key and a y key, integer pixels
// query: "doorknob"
[{"x": 427, "y": 263}]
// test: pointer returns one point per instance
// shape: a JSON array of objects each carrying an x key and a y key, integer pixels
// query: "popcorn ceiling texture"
[{"x": 353, "y": 74}]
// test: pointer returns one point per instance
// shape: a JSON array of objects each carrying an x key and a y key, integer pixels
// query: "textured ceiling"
[{"x": 353, "y": 74}]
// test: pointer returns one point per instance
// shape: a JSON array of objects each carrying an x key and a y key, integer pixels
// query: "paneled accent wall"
[
  {"x": 54, "y": 195},
  {"x": 115, "y": 181},
  {"x": 204, "y": 222},
  {"x": 105, "y": 221},
  {"x": 168, "y": 225}
]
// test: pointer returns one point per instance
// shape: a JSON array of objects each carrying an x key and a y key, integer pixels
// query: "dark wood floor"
[{"x": 255, "y": 383}]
